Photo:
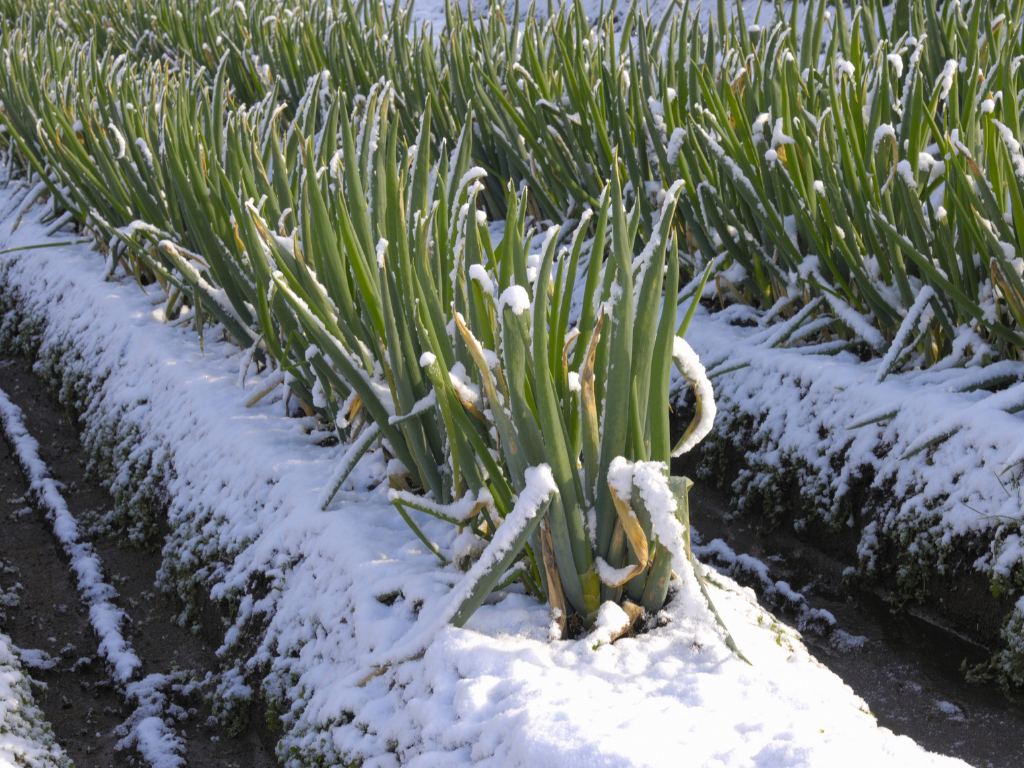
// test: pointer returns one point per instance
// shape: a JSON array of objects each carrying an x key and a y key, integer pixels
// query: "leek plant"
[
  {"x": 370, "y": 279},
  {"x": 870, "y": 176},
  {"x": 323, "y": 181},
  {"x": 95, "y": 140},
  {"x": 839, "y": 163},
  {"x": 463, "y": 356}
]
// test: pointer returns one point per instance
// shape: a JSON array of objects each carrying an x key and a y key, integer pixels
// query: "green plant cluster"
[
  {"x": 324, "y": 182},
  {"x": 892, "y": 168},
  {"x": 365, "y": 277}
]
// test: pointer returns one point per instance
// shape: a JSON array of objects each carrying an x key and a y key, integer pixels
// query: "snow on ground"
[
  {"x": 776, "y": 594},
  {"x": 145, "y": 729},
  {"x": 323, "y": 597},
  {"x": 941, "y": 455},
  {"x": 105, "y": 617},
  {"x": 25, "y": 736}
]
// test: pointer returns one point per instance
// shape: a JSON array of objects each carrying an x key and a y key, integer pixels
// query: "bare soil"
[{"x": 81, "y": 702}]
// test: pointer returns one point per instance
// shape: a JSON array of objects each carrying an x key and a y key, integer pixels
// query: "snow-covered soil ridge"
[
  {"x": 25, "y": 736},
  {"x": 321, "y": 598},
  {"x": 935, "y": 454}
]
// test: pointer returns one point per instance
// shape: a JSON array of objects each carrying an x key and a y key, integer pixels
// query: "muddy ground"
[{"x": 81, "y": 702}]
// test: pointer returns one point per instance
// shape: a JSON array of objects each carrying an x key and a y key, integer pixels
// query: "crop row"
[
  {"x": 895, "y": 166},
  {"x": 365, "y": 278},
  {"x": 323, "y": 181}
]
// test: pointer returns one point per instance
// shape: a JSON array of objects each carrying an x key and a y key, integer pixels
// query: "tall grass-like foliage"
[
  {"x": 326, "y": 182},
  {"x": 891, "y": 172},
  {"x": 462, "y": 355},
  {"x": 367, "y": 277}
]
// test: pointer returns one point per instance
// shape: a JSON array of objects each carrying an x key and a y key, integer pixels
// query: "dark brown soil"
[
  {"x": 81, "y": 702},
  {"x": 909, "y": 668}
]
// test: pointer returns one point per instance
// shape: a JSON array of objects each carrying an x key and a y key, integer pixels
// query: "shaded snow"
[
  {"x": 25, "y": 736},
  {"x": 944, "y": 453},
  {"x": 105, "y": 617}
]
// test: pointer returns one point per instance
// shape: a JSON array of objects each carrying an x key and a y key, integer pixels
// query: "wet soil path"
[
  {"x": 908, "y": 669},
  {"x": 81, "y": 702}
]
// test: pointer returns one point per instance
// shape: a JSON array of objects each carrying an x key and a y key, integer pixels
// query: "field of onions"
[
  {"x": 323, "y": 182},
  {"x": 474, "y": 247}
]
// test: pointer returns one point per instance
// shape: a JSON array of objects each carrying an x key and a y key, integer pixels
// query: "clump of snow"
[
  {"x": 779, "y": 137},
  {"x": 119, "y": 137},
  {"x": 464, "y": 387},
  {"x": 945, "y": 79},
  {"x": 613, "y": 577},
  {"x": 906, "y": 172},
  {"x": 515, "y": 298},
  {"x": 844, "y": 642},
  {"x": 145, "y": 729},
  {"x": 35, "y": 658},
  {"x": 25, "y": 736},
  {"x": 689, "y": 366},
  {"x": 882, "y": 132},
  {"x": 675, "y": 145},
  {"x": 611, "y": 620},
  {"x": 479, "y": 274},
  {"x": 896, "y": 62},
  {"x": 651, "y": 480},
  {"x": 620, "y": 477}
]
